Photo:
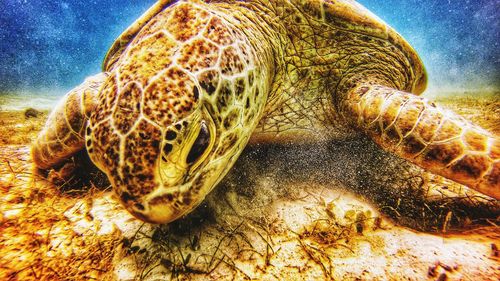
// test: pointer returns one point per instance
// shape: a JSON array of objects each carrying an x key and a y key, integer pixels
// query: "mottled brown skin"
[{"x": 191, "y": 82}]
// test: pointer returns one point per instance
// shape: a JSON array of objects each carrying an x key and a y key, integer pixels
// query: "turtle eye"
[{"x": 200, "y": 144}]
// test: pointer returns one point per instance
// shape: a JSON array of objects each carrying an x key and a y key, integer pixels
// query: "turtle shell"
[{"x": 126, "y": 37}]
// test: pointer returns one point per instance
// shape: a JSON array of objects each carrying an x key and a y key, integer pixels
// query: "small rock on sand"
[{"x": 31, "y": 112}]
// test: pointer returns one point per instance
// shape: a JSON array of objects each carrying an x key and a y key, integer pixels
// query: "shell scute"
[
  {"x": 187, "y": 21},
  {"x": 147, "y": 57},
  {"x": 198, "y": 55},
  {"x": 218, "y": 32},
  {"x": 169, "y": 96},
  {"x": 126, "y": 111}
]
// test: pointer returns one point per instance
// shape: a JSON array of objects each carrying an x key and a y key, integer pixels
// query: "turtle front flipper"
[
  {"x": 64, "y": 132},
  {"x": 427, "y": 135}
]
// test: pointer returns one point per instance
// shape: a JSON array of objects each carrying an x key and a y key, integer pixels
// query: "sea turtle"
[{"x": 190, "y": 83}]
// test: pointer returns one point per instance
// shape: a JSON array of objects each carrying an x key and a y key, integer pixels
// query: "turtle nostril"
[{"x": 200, "y": 144}]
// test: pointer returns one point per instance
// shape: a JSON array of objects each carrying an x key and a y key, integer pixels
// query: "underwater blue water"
[{"x": 47, "y": 47}]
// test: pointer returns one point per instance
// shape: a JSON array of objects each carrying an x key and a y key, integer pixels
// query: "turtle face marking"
[{"x": 176, "y": 111}]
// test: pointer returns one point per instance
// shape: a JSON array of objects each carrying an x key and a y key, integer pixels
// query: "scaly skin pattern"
[
  {"x": 191, "y": 82},
  {"x": 63, "y": 133},
  {"x": 320, "y": 44},
  {"x": 433, "y": 138}
]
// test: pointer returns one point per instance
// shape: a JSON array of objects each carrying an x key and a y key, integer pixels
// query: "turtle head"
[
  {"x": 177, "y": 110},
  {"x": 165, "y": 147}
]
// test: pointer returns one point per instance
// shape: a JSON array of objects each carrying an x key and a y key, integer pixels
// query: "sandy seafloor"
[{"x": 330, "y": 211}]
